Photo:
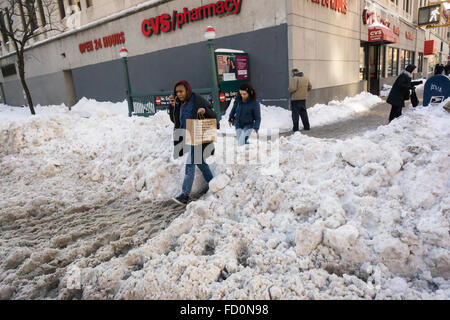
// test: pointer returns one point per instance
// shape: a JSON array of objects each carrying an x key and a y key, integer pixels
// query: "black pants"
[
  {"x": 298, "y": 108},
  {"x": 396, "y": 111}
]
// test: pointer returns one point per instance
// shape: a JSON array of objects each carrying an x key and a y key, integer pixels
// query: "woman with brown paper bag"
[{"x": 187, "y": 105}]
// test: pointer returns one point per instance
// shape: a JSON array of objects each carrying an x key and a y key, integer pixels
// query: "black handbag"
[{"x": 414, "y": 99}]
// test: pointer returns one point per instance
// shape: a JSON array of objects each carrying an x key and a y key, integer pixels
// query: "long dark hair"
[{"x": 250, "y": 90}]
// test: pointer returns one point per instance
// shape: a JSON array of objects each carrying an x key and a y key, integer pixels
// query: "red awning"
[
  {"x": 381, "y": 34},
  {"x": 430, "y": 47}
]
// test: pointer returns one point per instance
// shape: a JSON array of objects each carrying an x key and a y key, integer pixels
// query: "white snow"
[
  {"x": 366, "y": 217},
  {"x": 274, "y": 117},
  {"x": 229, "y": 51}
]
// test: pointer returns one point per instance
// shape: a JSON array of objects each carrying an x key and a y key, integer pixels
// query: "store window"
[
  {"x": 382, "y": 64},
  {"x": 395, "y": 62},
  {"x": 89, "y": 3},
  {"x": 406, "y": 57},
  {"x": 392, "y": 62},
  {"x": 9, "y": 70},
  {"x": 362, "y": 63},
  {"x": 420, "y": 62},
  {"x": 402, "y": 59}
]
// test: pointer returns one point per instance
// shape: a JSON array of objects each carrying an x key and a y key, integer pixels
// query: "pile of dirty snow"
[{"x": 364, "y": 218}]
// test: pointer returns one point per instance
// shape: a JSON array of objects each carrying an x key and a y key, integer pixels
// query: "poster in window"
[{"x": 232, "y": 67}]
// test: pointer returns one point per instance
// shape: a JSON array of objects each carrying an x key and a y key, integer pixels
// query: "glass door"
[{"x": 374, "y": 72}]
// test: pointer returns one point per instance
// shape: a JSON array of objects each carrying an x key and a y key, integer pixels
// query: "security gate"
[{"x": 147, "y": 104}]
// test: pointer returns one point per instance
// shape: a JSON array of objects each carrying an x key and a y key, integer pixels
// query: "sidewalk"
[{"x": 370, "y": 120}]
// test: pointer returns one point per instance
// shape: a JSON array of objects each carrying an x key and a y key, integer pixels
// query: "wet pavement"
[
  {"x": 357, "y": 126},
  {"x": 367, "y": 121}
]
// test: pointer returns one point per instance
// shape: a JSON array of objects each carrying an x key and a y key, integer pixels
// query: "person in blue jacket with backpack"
[{"x": 245, "y": 114}]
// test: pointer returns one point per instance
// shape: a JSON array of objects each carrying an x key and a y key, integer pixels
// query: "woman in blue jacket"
[{"x": 246, "y": 113}]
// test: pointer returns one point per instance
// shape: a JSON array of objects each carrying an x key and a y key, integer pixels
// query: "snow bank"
[
  {"x": 364, "y": 218},
  {"x": 274, "y": 117}
]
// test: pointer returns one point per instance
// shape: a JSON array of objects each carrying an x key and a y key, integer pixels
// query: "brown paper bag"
[{"x": 200, "y": 131}]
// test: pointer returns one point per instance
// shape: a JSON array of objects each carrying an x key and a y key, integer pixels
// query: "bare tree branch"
[{"x": 22, "y": 25}]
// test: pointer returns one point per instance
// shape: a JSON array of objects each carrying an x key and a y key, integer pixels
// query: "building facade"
[{"x": 326, "y": 39}]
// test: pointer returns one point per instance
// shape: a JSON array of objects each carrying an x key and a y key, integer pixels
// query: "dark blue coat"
[{"x": 246, "y": 113}]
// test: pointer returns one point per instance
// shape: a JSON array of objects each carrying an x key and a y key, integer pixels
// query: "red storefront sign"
[
  {"x": 337, "y": 5},
  {"x": 429, "y": 47},
  {"x": 105, "y": 42},
  {"x": 381, "y": 34},
  {"x": 370, "y": 17},
  {"x": 397, "y": 30},
  {"x": 167, "y": 22},
  {"x": 409, "y": 35}
]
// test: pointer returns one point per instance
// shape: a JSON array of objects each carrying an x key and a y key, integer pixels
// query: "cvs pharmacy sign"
[{"x": 170, "y": 22}]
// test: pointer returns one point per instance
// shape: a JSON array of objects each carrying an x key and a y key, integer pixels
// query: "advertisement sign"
[
  {"x": 232, "y": 67},
  {"x": 232, "y": 70}
]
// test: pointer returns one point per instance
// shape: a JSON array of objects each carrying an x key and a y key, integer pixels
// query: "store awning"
[
  {"x": 430, "y": 47},
  {"x": 382, "y": 35}
]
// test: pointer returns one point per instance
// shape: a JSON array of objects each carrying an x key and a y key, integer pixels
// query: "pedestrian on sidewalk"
[
  {"x": 447, "y": 69},
  {"x": 299, "y": 87},
  {"x": 400, "y": 91},
  {"x": 187, "y": 105},
  {"x": 245, "y": 114},
  {"x": 439, "y": 69}
]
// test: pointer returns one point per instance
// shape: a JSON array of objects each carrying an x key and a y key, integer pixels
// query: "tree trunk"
[{"x": 21, "y": 65}]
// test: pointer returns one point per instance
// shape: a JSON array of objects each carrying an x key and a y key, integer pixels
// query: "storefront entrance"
[
  {"x": 372, "y": 58},
  {"x": 376, "y": 67}
]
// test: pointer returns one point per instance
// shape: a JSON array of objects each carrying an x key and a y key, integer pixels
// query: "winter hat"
[
  {"x": 410, "y": 68},
  {"x": 187, "y": 86}
]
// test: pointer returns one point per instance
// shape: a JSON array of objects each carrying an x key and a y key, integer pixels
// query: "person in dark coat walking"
[
  {"x": 438, "y": 69},
  {"x": 187, "y": 105},
  {"x": 400, "y": 91},
  {"x": 447, "y": 69},
  {"x": 245, "y": 114}
]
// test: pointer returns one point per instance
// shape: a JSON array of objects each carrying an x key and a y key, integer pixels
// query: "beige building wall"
[
  {"x": 324, "y": 43},
  {"x": 62, "y": 52}
]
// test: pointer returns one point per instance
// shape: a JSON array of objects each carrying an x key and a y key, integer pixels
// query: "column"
[
  {"x": 70, "y": 89},
  {"x": 66, "y": 7},
  {"x": 83, "y": 5}
]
